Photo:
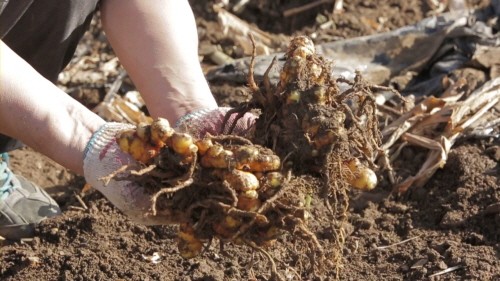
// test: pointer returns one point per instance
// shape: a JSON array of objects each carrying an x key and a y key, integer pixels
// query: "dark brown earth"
[{"x": 452, "y": 222}]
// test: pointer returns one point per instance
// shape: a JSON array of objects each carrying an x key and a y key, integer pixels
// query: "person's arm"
[
  {"x": 35, "y": 111},
  {"x": 157, "y": 43}
]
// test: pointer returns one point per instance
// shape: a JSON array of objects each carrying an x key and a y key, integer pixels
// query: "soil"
[{"x": 450, "y": 223}]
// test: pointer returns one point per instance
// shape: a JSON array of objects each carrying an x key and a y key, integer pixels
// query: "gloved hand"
[
  {"x": 200, "y": 122},
  {"x": 102, "y": 157}
]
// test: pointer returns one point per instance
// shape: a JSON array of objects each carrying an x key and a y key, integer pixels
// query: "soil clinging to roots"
[{"x": 310, "y": 144}]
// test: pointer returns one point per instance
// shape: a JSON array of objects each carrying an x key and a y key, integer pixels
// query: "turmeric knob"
[
  {"x": 362, "y": 177},
  {"x": 182, "y": 143},
  {"x": 161, "y": 132},
  {"x": 189, "y": 246}
]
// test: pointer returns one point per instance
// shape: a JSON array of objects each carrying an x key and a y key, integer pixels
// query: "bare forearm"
[
  {"x": 35, "y": 111},
  {"x": 156, "y": 41}
]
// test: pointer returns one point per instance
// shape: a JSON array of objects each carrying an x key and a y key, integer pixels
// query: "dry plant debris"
[
  {"x": 239, "y": 31},
  {"x": 436, "y": 124}
]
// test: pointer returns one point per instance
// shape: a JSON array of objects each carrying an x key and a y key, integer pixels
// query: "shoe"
[{"x": 22, "y": 204}]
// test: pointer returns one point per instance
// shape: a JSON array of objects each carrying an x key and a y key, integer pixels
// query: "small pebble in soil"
[
  {"x": 441, "y": 265},
  {"x": 54, "y": 230}
]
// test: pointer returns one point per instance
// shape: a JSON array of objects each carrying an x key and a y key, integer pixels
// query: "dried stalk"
[{"x": 420, "y": 127}]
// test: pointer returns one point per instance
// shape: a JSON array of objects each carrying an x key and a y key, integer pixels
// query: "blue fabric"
[
  {"x": 6, "y": 185},
  {"x": 90, "y": 144}
]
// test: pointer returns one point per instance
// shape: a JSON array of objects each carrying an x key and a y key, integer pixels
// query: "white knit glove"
[
  {"x": 200, "y": 122},
  {"x": 102, "y": 157}
]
